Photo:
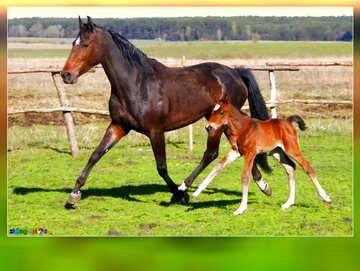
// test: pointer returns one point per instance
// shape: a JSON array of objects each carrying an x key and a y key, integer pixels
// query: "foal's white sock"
[{"x": 261, "y": 184}]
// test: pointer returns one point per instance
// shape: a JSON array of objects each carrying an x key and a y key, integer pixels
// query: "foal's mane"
[{"x": 134, "y": 56}]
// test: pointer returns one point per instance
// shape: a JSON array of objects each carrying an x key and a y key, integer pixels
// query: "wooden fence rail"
[
  {"x": 106, "y": 112},
  {"x": 320, "y": 64},
  {"x": 67, "y": 110}
]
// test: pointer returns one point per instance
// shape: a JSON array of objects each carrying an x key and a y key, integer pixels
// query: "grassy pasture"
[
  {"x": 124, "y": 194},
  {"x": 205, "y": 50}
]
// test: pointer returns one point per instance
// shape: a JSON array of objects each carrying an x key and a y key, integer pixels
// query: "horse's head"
[
  {"x": 219, "y": 116},
  {"x": 87, "y": 51}
]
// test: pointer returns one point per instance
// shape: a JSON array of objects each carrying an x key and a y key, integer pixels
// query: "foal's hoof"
[
  {"x": 180, "y": 197},
  {"x": 74, "y": 198},
  {"x": 268, "y": 190}
]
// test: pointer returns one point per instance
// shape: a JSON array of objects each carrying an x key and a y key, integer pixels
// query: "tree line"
[{"x": 196, "y": 28}]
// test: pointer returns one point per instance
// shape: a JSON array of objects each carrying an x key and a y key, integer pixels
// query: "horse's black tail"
[
  {"x": 297, "y": 119},
  {"x": 256, "y": 101},
  {"x": 257, "y": 108}
]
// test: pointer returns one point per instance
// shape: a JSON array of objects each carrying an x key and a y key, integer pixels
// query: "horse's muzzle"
[
  {"x": 208, "y": 128},
  {"x": 68, "y": 77}
]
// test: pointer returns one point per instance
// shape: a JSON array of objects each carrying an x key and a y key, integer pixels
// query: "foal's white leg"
[
  {"x": 291, "y": 200},
  {"x": 230, "y": 157},
  {"x": 249, "y": 159},
  {"x": 320, "y": 190},
  {"x": 291, "y": 174},
  {"x": 264, "y": 187},
  {"x": 244, "y": 199},
  {"x": 310, "y": 171}
]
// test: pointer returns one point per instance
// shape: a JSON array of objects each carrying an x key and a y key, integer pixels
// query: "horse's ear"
[
  {"x": 80, "y": 23},
  {"x": 225, "y": 99},
  {"x": 90, "y": 23}
]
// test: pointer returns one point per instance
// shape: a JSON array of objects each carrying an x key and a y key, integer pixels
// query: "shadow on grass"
[
  {"x": 58, "y": 150},
  {"x": 124, "y": 192},
  {"x": 198, "y": 204},
  {"x": 127, "y": 192},
  {"x": 216, "y": 203}
]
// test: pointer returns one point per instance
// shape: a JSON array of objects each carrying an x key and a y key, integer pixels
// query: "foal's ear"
[{"x": 225, "y": 99}]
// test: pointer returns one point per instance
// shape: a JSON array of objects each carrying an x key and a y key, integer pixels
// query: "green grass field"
[
  {"x": 125, "y": 196},
  {"x": 211, "y": 50}
]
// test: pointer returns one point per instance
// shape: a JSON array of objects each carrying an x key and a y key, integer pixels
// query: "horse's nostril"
[
  {"x": 65, "y": 74},
  {"x": 208, "y": 128}
]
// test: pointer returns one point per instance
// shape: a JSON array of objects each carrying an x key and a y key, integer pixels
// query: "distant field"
[{"x": 199, "y": 50}]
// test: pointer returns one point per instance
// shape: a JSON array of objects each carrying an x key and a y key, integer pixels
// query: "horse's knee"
[
  {"x": 211, "y": 156},
  {"x": 246, "y": 179},
  {"x": 308, "y": 168}
]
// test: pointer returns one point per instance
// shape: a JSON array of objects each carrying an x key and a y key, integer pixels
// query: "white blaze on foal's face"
[
  {"x": 216, "y": 119},
  {"x": 216, "y": 108}
]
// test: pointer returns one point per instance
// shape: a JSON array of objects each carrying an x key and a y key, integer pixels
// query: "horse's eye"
[
  {"x": 221, "y": 113},
  {"x": 85, "y": 45}
]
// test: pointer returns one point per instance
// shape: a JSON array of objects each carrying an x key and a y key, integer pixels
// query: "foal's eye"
[{"x": 221, "y": 113}]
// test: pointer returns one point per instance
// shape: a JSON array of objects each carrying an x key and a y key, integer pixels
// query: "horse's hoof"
[
  {"x": 69, "y": 206},
  {"x": 180, "y": 197},
  {"x": 268, "y": 190},
  {"x": 74, "y": 198}
]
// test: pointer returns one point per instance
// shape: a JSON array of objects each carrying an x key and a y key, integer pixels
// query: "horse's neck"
[
  {"x": 121, "y": 75},
  {"x": 239, "y": 120}
]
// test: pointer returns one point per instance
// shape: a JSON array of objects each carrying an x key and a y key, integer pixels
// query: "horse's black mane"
[{"x": 133, "y": 55}]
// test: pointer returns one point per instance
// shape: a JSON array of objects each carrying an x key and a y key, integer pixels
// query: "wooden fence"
[{"x": 67, "y": 110}]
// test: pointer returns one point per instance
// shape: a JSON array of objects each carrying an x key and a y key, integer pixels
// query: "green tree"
[{"x": 36, "y": 30}]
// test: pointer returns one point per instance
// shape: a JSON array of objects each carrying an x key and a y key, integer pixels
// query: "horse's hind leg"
[
  {"x": 112, "y": 135},
  {"x": 258, "y": 179},
  {"x": 289, "y": 167},
  {"x": 230, "y": 157},
  {"x": 294, "y": 151}
]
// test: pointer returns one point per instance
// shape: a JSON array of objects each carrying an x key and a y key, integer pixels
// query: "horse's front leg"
[
  {"x": 230, "y": 157},
  {"x": 249, "y": 160},
  {"x": 112, "y": 135},
  {"x": 211, "y": 153},
  {"x": 157, "y": 139}
]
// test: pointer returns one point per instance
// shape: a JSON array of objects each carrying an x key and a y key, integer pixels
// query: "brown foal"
[{"x": 249, "y": 137}]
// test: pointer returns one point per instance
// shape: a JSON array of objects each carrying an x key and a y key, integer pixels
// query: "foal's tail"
[
  {"x": 257, "y": 108},
  {"x": 297, "y": 119}
]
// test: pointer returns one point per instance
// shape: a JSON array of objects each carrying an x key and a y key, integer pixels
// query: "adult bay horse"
[{"x": 150, "y": 98}]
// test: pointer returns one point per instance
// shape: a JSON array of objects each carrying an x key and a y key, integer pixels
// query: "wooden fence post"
[
  {"x": 272, "y": 93},
  {"x": 70, "y": 129}
]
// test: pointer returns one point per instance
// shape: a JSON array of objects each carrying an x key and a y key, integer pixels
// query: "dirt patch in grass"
[{"x": 147, "y": 226}]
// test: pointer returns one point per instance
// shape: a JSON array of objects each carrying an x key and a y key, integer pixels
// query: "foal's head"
[
  {"x": 219, "y": 116},
  {"x": 87, "y": 51}
]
